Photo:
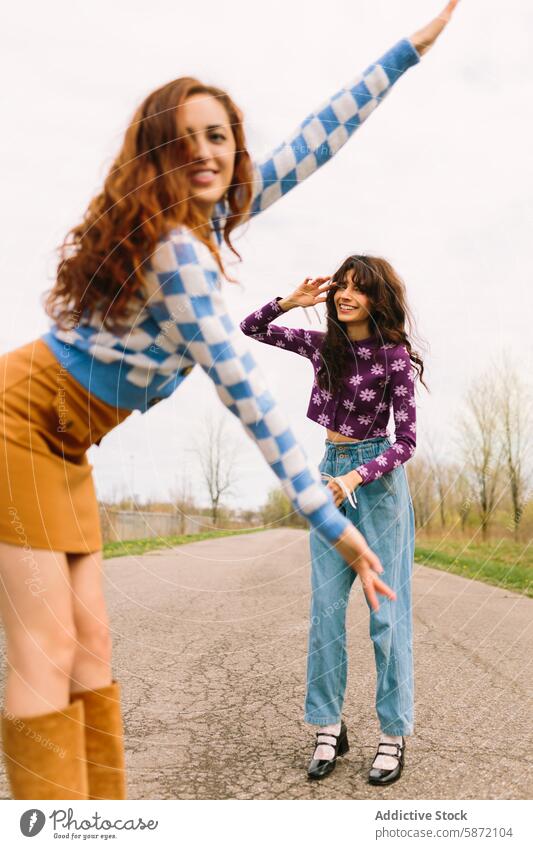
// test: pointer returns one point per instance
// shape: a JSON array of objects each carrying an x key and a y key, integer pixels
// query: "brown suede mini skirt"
[{"x": 47, "y": 422}]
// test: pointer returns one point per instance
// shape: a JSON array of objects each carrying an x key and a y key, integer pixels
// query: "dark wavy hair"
[
  {"x": 390, "y": 318},
  {"x": 144, "y": 195}
]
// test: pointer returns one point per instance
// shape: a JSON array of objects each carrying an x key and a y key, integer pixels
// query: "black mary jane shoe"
[
  {"x": 320, "y": 768},
  {"x": 387, "y": 776}
]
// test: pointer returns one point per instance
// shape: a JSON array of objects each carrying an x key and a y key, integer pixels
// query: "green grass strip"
[
  {"x": 142, "y": 546},
  {"x": 505, "y": 572}
]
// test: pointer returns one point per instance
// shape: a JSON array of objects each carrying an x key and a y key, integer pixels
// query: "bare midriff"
[{"x": 339, "y": 437}]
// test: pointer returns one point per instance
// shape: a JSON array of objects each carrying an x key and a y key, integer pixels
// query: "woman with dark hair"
[
  {"x": 137, "y": 303},
  {"x": 364, "y": 368}
]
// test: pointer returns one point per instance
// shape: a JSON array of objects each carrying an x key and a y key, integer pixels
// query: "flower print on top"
[{"x": 381, "y": 380}]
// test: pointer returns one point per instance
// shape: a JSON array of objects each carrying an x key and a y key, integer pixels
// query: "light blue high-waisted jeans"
[{"x": 384, "y": 515}]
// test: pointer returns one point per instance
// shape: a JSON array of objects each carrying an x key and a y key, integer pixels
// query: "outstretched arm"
[{"x": 322, "y": 134}]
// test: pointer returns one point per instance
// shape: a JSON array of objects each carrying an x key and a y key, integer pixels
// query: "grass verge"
[
  {"x": 142, "y": 546},
  {"x": 502, "y": 563}
]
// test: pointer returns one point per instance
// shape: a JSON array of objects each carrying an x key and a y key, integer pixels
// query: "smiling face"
[
  {"x": 206, "y": 123},
  {"x": 352, "y": 305}
]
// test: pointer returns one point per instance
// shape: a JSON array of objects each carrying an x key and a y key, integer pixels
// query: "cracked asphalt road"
[{"x": 210, "y": 645}]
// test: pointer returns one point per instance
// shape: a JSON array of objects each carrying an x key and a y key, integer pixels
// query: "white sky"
[{"x": 438, "y": 180}]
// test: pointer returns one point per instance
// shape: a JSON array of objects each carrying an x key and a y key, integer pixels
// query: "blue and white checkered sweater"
[{"x": 183, "y": 319}]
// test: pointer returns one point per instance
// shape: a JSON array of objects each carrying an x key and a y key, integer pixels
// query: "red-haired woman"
[{"x": 136, "y": 304}]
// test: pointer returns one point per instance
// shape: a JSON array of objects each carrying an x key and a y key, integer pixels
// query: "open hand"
[
  {"x": 309, "y": 293},
  {"x": 353, "y": 547},
  {"x": 426, "y": 37}
]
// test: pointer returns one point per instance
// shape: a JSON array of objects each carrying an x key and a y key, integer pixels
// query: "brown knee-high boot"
[
  {"x": 104, "y": 741},
  {"x": 45, "y": 755}
]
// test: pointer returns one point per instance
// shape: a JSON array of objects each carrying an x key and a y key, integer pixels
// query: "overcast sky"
[{"x": 438, "y": 180}]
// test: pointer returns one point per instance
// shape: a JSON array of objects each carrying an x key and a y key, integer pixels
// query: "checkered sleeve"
[
  {"x": 186, "y": 301},
  {"x": 402, "y": 380},
  {"x": 329, "y": 127}
]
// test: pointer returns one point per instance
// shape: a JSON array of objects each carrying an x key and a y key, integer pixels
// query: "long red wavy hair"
[{"x": 145, "y": 194}]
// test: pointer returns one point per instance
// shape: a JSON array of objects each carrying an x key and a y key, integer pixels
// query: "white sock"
[
  {"x": 327, "y": 753},
  {"x": 384, "y": 761}
]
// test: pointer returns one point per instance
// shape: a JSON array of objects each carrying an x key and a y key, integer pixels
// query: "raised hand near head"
[{"x": 311, "y": 292}]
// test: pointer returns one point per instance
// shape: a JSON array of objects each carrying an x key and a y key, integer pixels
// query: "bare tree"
[
  {"x": 479, "y": 442},
  {"x": 217, "y": 456},
  {"x": 182, "y": 499},
  {"x": 463, "y": 495},
  {"x": 278, "y": 510},
  {"x": 249, "y": 518},
  {"x": 422, "y": 489},
  {"x": 516, "y": 433},
  {"x": 443, "y": 477}
]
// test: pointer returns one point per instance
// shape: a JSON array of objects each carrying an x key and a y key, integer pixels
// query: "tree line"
[{"x": 480, "y": 475}]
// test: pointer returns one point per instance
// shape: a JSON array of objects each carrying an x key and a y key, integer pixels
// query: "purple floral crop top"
[{"x": 381, "y": 377}]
